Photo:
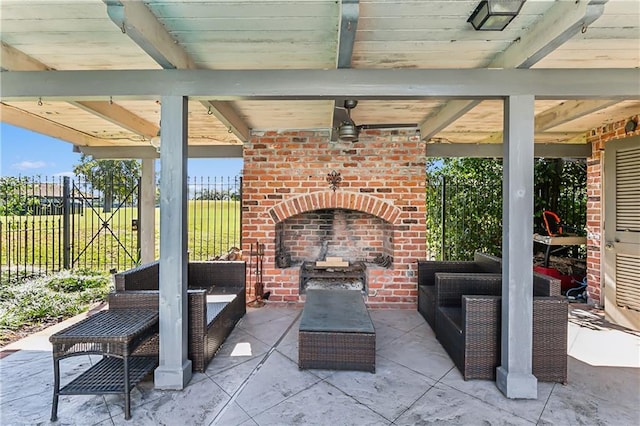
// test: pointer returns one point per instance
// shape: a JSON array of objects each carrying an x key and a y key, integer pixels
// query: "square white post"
[
  {"x": 174, "y": 371},
  {"x": 514, "y": 376},
  {"x": 147, "y": 219}
]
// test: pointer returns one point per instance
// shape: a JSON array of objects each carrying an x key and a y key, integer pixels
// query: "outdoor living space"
[
  {"x": 255, "y": 380},
  {"x": 342, "y": 114}
]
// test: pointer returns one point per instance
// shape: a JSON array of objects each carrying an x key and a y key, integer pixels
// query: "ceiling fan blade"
[
  {"x": 339, "y": 116},
  {"x": 388, "y": 126}
]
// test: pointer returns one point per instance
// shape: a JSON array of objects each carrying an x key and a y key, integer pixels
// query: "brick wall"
[
  {"x": 595, "y": 214},
  {"x": 352, "y": 235},
  {"x": 379, "y": 206}
]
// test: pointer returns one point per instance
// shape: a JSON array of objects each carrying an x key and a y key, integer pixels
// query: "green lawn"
[{"x": 103, "y": 241}]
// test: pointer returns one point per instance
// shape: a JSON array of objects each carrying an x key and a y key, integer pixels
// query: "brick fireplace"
[{"x": 376, "y": 212}]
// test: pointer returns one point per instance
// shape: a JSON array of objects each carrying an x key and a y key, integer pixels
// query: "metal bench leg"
[
  {"x": 56, "y": 390},
  {"x": 127, "y": 395}
]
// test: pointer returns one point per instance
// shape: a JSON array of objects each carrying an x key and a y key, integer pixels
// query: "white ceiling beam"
[
  {"x": 560, "y": 114},
  {"x": 555, "y": 84},
  {"x": 136, "y": 20},
  {"x": 228, "y": 116},
  {"x": 20, "y": 118},
  {"x": 561, "y": 22},
  {"x": 121, "y": 116},
  {"x": 16, "y": 60},
  {"x": 146, "y": 151},
  {"x": 569, "y": 111},
  {"x": 496, "y": 137},
  {"x": 494, "y": 150},
  {"x": 350, "y": 12}
]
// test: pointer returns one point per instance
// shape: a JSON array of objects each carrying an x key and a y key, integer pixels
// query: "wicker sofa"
[
  {"x": 482, "y": 263},
  {"x": 216, "y": 302},
  {"x": 468, "y": 324}
]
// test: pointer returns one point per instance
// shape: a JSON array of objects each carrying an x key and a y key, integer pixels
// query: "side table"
[{"x": 115, "y": 334}]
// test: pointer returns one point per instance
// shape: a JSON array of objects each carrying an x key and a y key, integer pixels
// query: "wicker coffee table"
[
  {"x": 336, "y": 332},
  {"x": 115, "y": 334}
]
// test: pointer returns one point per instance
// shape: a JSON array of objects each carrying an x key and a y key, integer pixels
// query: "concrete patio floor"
[{"x": 255, "y": 380}]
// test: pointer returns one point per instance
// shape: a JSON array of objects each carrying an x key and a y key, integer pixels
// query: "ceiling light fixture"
[
  {"x": 494, "y": 15},
  {"x": 155, "y": 142}
]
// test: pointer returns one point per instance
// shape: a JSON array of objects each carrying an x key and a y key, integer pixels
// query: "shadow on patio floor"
[{"x": 255, "y": 380}]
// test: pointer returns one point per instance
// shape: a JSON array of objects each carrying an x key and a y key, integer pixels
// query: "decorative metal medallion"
[{"x": 334, "y": 180}]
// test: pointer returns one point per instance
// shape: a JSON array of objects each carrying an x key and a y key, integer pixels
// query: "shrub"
[{"x": 41, "y": 299}]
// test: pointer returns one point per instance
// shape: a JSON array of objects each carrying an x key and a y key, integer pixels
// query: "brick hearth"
[{"x": 377, "y": 209}]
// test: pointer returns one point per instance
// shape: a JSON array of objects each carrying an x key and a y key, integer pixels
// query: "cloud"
[
  {"x": 62, "y": 174},
  {"x": 29, "y": 165}
]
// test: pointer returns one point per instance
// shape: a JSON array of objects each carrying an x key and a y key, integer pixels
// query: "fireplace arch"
[
  {"x": 323, "y": 200},
  {"x": 352, "y": 226}
]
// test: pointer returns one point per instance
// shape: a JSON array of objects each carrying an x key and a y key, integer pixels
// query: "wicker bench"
[
  {"x": 482, "y": 263},
  {"x": 469, "y": 323},
  {"x": 216, "y": 302},
  {"x": 336, "y": 332}
]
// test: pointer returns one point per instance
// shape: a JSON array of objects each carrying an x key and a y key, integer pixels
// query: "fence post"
[
  {"x": 241, "y": 209},
  {"x": 140, "y": 224},
  {"x": 444, "y": 217},
  {"x": 66, "y": 228}
]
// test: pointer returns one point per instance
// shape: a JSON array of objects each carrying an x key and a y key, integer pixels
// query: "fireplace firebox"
[{"x": 352, "y": 277}]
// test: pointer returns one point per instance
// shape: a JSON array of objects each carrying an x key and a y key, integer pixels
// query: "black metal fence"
[
  {"x": 49, "y": 224},
  {"x": 465, "y": 215}
]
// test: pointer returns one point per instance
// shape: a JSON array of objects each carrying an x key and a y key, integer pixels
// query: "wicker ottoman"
[{"x": 336, "y": 332}]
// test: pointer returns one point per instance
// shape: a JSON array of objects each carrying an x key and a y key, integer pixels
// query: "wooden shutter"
[{"x": 628, "y": 220}]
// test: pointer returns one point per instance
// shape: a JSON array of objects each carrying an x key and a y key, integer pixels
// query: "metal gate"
[
  {"x": 47, "y": 225},
  {"x": 105, "y": 235}
]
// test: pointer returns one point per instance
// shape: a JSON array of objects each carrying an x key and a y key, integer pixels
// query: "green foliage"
[
  {"x": 212, "y": 194},
  {"x": 114, "y": 178},
  {"x": 473, "y": 202},
  {"x": 14, "y": 198},
  {"x": 40, "y": 299},
  {"x": 75, "y": 284}
]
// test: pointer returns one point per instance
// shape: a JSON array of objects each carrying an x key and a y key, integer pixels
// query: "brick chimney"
[{"x": 377, "y": 209}]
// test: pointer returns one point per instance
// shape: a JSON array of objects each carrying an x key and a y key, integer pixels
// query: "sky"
[{"x": 25, "y": 153}]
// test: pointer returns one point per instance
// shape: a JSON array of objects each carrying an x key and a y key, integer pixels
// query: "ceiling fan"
[{"x": 345, "y": 129}]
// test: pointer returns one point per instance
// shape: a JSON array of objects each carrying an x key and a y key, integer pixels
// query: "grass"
[
  {"x": 32, "y": 245},
  {"x": 38, "y": 300},
  {"x": 36, "y": 241}
]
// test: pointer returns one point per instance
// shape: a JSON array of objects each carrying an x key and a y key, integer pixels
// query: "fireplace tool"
[{"x": 256, "y": 256}]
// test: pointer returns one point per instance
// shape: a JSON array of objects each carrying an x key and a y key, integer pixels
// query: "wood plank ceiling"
[{"x": 279, "y": 34}]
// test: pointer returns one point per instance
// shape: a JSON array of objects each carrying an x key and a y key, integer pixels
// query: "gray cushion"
[{"x": 214, "y": 309}]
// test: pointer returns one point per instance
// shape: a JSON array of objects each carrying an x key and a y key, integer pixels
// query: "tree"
[
  {"x": 114, "y": 178},
  {"x": 472, "y": 209},
  {"x": 15, "y": 198}
]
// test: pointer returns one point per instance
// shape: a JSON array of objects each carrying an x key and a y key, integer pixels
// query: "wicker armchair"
[
  {"x": 482, "y": 263},
  {"x": 216, "y": 302},
  {"x": 469, "y": 323}
]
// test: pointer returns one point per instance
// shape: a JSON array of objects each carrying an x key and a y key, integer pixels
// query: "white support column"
[
  {"x": 514, "y": 376},
  {"x": 174, "y": 371},
  {"x": 147, "y": 219}
]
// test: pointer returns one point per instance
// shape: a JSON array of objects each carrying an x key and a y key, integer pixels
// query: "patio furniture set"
[
  {"x": 127, "y": 334},
  {"x": 216, "y": 300},
  {"x": 459, "y": 300}
]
